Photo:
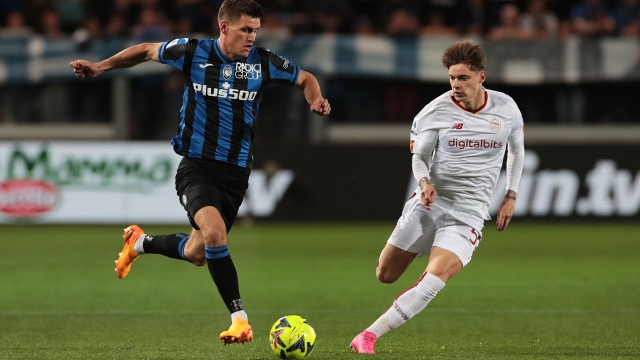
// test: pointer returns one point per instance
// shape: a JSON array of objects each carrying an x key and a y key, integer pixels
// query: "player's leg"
[
  {"x": 212, "y": 194},
  {"x": 452, "y": 250},
  {"x": 177, "y": 246},
  {"x": 194, "y": 248},
  {"x": 137, "y": 243},
  {"x": 213, "y": 231},
  {"x": 405, "y": 306},
  {"x": 393, "y": 263},
  {"x": 413, "y": 236},
  {"x": 443, "y": 264},
  {"x": 410, "y": 302},
  {"x": 216, "y": 252}
]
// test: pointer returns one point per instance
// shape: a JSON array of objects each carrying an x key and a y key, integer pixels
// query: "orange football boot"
[
  {"x": 128, "y": 254},
  {"x": 239, "y": 332}
]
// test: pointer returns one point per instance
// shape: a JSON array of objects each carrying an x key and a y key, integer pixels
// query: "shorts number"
[{"x": 477, "y": 237}]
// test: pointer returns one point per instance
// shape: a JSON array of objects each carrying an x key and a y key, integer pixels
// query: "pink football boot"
[{"x": 364, "y": 343}]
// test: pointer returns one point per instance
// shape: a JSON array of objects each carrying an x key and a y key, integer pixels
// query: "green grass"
[{"x": 536, "y": 291}]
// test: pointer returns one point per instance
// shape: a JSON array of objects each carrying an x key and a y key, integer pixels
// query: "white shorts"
[{"x": 419, "y": 229}]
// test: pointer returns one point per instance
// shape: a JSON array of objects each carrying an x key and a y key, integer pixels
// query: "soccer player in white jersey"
[{"x": 458, "y": 143}]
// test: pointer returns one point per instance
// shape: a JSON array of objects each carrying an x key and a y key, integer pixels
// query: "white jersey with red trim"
[{"x": 471, "y": 146}]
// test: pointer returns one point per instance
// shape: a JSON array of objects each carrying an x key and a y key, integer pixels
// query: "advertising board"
[{"x": 126, "y": 182}]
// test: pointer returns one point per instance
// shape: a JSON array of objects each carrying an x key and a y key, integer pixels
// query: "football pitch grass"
[{"x": 535, "y": 291}]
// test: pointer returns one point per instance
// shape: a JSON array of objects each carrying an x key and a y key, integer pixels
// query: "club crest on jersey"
[
  {"x": 248, "y": 71},
  {"x": 226, "y": 72},
  {"x": 457, "y": 126},
  {"x": 495, "y": 125}
]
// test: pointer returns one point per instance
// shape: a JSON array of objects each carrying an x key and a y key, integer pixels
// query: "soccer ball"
[{"x": 292, "y": 337}]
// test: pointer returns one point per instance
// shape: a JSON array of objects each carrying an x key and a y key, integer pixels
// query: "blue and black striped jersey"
[{"x": 221, "y": 97}]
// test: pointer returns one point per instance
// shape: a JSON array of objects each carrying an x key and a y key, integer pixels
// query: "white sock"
[
  {"x": 239, "y": 314},
  {"x": 408, "y": 304},
  {"x": 137, "y": 246}
]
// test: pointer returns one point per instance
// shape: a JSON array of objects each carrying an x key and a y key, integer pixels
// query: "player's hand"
[
  {"x": 321, "y": 107},
  {"x": 505, "y": 212},
  {"x": 84, "y": 69},
  {"x": 427, "y": 196}
]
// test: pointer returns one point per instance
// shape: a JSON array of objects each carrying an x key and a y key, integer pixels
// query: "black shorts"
[{"x": 201, "y": 183}]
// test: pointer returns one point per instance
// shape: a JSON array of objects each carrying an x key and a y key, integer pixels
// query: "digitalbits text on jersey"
[{"x": 475, "y": 144}]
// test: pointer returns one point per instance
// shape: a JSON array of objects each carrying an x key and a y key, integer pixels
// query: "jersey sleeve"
[
  {"x": 281, "y": 70},
  {"x": 173, "y": 52},
  {"x": 515, "y": 151},
  {"x": 516, "y": 136},
  {"x": 424, "y": 130}
]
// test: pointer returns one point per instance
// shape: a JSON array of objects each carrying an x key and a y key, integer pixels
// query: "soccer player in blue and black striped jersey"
[{"x": 224, "y": 80}]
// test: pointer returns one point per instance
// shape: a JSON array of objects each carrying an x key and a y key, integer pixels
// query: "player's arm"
[
  {"x": 311, "y": 89},
  {"x": 422, "y": 148},
  {"x": 127, "y": 58},
  {"x": 515, "y": 163}
]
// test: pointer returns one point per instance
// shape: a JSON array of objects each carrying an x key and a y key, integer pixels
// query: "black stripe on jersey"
[
  {"x": 212, "y": 125},
  {"x": 266, "y": 80},
  {"x": 279, "y": 63},
  {"x": 175, "y": 52},
  {"x": 237, "y": 106},
  {"x": 189, "y": 112},
  {"x": 264, "y": 64}
]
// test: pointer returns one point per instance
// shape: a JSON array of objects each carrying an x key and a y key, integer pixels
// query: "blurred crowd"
[
  {"x": 355, "y": 99},
  {"x": 87, "y": 20}
]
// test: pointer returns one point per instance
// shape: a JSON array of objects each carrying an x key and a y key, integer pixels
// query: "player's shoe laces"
[
  {"x": 239, "y": 332},
  {"x": 364, "y": 343},
  {"x": 128, "y": 254}
]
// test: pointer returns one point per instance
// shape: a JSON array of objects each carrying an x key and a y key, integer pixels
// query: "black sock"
[
  {"x": 171, "y": 245},
  {"x": 224, "y": 275}
]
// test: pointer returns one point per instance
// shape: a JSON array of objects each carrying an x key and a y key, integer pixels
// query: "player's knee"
[
  {"x": 385, "y": 276},
  {"x": 214, "y": 238}
]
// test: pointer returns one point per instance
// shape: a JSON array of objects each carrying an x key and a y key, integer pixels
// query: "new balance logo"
[
  {"x": 457, "y": 126},
  {"x": 205, "y": 65}
]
